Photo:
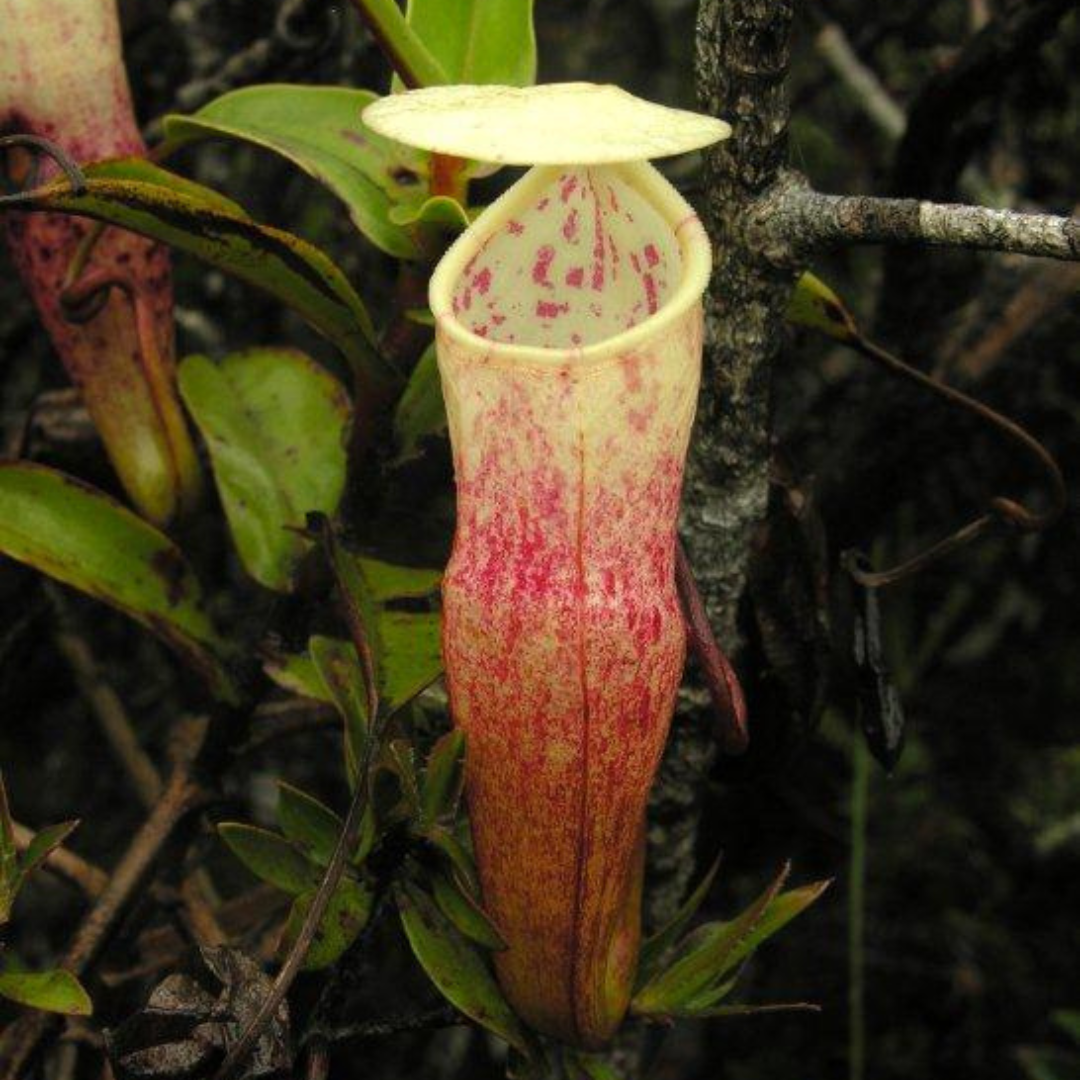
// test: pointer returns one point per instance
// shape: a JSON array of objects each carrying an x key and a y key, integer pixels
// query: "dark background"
[{"x": 973, "y": 843}]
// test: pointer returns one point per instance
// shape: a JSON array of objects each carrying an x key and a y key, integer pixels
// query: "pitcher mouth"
[{"x": 503, "y": 292}]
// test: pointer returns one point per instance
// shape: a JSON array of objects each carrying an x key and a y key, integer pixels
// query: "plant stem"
[
  {"x": 859, "y": 811},
  {"x": 408, "y": 55}
]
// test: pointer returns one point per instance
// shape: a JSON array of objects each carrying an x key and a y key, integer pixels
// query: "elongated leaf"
[
  {"x": 319, "y": 129},
  {"x": 478, "y": 41},
  {"x": 705, "y": 957},
  {"x": 441, "y": 210},
  {"x": 85, "y": 539},
  {"x": 44, "y": 844},
  {"x": 455, "y": 967},
  {"x": 443, "y": 778},
  {"x": 465, "y": 913},
  {"x": 346, "y": 915},
  {"x": 275, "y": 424},
  {"x": 52, "y": 991},
  {"x": 148, "y": 200},
  {"x": 405, "y": 646},
  {"x": 297, "y": 673},
  {"x": 420, "y": 412},
  {"x": 389, "y": 581},
  {"x": 270, "y": 857},
  {"x": 338, "y": 667},
  {"x": 311, "y": 826},
  {"x": 654, "y": 948},
  {"x": 409, "y": 655}
]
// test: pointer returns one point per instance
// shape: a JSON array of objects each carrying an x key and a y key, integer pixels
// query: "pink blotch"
[
  {"x": 575, "y": 276},
  {"x": 650, "y": 293},
  {"x": 652, "y": 256},
  {"x": 515, "y": 228},
  {"x": 570, "y": 226},
  {"x": 548, "y": 309},
  {"x": 544, "y": 258},
  {"x": 567, "y": 188},
  {"x": 482, "y": 281}
]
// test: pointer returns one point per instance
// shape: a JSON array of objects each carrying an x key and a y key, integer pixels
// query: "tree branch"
[
  {"x": 803, "y": 220},
  {"x": 867, "y": 89},
  {"x": 742, "y": 59}
]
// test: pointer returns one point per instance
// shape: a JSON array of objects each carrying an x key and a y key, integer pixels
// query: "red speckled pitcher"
[
  {"x": 62, "y": 78},
  {"x": 569, "y": 343}
]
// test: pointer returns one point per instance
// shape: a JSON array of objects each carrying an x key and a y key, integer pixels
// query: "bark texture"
[
  {"x": 806, "y": 220},
  {"x": 742, "y": 60}
]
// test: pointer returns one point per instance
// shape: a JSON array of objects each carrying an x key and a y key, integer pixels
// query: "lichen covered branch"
[{"x": 804, "y": 221}]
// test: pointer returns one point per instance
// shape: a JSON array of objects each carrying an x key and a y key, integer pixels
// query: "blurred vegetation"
[{"x": 972, "y": 888}]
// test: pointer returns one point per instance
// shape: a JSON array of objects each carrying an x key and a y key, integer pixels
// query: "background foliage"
[{"x": 972, "y": 846}]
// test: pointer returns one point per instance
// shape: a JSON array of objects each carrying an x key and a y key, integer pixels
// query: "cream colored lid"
[{"x": 553, "y": 124}]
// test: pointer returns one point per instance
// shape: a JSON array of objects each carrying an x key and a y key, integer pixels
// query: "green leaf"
[
  {"x": 420, "y": 412},
  {"x": 318, "y": 128},
  {"x": 814, "y": 305},
  {"x": 478, "y": 41},
  {"x": 465, "y": 913},
  {"x": 406, "y": 646},
  {"x": 457, "y": 854},
  {"x": 441, "y": 210},
  {"x": 408, "y": 655},
  {"x": 44, "y": 844},
  {"x": 153, "y": 202},
  {"x": 311, "y": 826},
  {"x": 1068, "y": 1021},
  {"x": 443, "y": 778},
  {"x": 85, "y": 539},
  {"x": 1048, "y": 1063},
  {"x": 582, "y": 1066},
  {"x": 704, "y": 965},
  {"x": 338, "y": 667},
  {"x": 346, "y": 915},
  {"x": 51, "y": 991},
  {"x": 388, "y": 581},
  {"x": 296, "y": 672},
  {"x": 656, "y": 947},
  {"x": 275, "y": 424},
  {"x": 455, "y": 967},
  {"x": 270, "y": 857}
]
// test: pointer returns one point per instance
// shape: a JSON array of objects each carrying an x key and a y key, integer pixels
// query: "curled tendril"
[
  {"x": 1000, "y": 511},
  {"x": 41, "y": 148}
]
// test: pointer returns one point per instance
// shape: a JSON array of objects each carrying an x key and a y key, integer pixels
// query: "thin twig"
[
  {"x": 1027, "y": 308},
  {"x": 1001, "y": 511},
  {"x": 91, "y": 879},
  {"x": 181, "y": 795},
  {"x": 867, "y": 89},
  {"x": 795, "y": 221},
  {"x": 196, "y": 890},
  {"x": 438, "y": 1017},
  {"x": 111, "y": 716},
  {"x": 346, "y": 843}
]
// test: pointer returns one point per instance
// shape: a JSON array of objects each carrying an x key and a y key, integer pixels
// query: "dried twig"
[
  {"x": 109, "y": 712},
  {"x": 180, "y": 796},
  {"x": 867, "y": 89},
  {"x": 66, "y": 864}
]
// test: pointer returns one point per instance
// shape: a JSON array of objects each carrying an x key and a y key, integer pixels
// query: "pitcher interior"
[{"x": 588, "y": 259}]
